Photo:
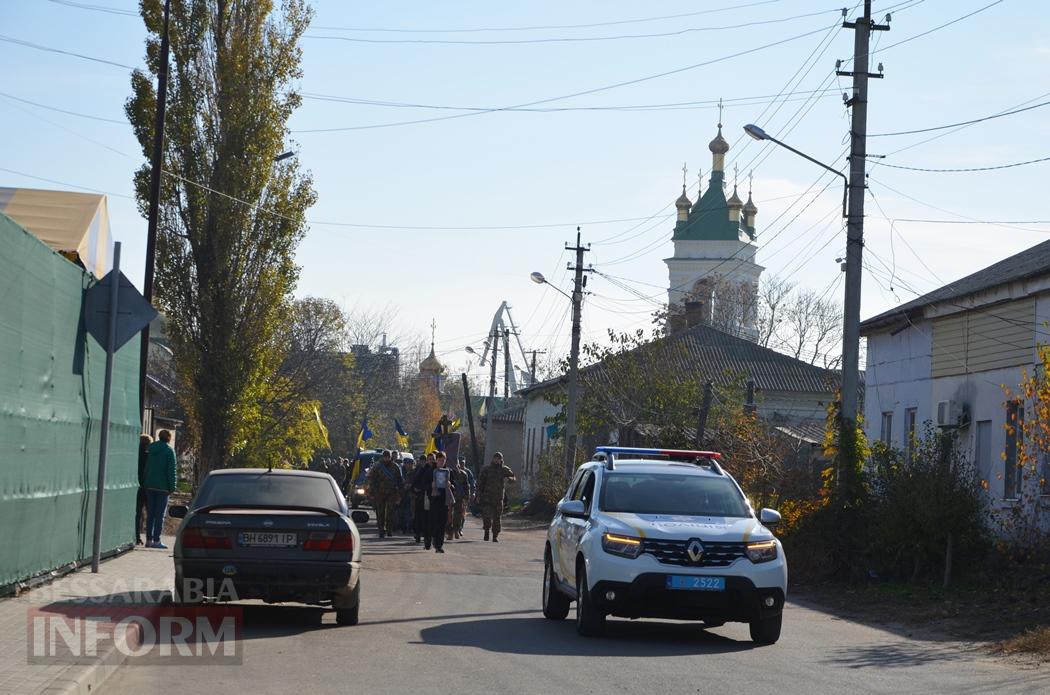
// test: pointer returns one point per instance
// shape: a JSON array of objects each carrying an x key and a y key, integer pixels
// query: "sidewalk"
[{"x": 138, "y": 576}]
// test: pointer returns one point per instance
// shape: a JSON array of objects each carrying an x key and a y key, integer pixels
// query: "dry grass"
[{"x": 1035, "y": 642}]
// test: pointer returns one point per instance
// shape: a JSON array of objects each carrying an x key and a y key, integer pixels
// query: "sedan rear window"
[
  {"x": 267, "y": 490},
  {"x": 686, "y": 495}
]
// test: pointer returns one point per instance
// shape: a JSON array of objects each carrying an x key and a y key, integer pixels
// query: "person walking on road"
[
  {"x": 421, "y": 494},
  {"x": 492, "y": 482},
  {"x": 463, "y": 488},
  {"x": 405, "y": 506},
  {"x": 140, "y": 496},
  {"x": 159, "y": 480},
  {"x": 441, "y": 500},
  {"x": 385, "y": 481}
]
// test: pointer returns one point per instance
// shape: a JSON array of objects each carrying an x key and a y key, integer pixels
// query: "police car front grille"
[{"x": 674, "y": 553}]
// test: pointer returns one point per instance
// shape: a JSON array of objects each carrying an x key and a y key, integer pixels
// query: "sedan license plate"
[
  {"x": 268, "y": 539},
  {"x": 677, "y": 581}
]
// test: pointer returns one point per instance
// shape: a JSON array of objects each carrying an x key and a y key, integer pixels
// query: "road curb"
[{"x": 86, "y": 678}]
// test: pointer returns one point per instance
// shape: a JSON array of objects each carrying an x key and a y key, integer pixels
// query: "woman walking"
[{"x": 441, "y": 500}]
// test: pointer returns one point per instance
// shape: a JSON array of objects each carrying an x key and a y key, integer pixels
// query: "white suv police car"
[{"x": 661, "y": 533}]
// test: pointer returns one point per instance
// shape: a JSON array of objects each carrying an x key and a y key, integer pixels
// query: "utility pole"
[
  {"x": 862, "y": 29},
  {"x": 701, "y": 424},
  {"x": 470, "y": 422},
  {"x": 506, "y": 363},
  {"x": 532, "y": 365},
  {"x": 579, "y": 282},
  {"x": 154, "y": 198},
  {"x": 490, "y": 404}
]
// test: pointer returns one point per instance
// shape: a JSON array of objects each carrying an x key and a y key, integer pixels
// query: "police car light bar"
[
  {"x": 622, "y": 451},
  {"x": 703, "y": 458}
]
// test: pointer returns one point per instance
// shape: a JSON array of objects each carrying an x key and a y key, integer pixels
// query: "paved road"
[{"x": 468, "y": 622}]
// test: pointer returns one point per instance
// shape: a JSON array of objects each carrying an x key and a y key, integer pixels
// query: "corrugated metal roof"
[
  {"x": 720, "y": 357},
  {"x": 1029, "y": 263},
  {"x": 515, "y": 413}
]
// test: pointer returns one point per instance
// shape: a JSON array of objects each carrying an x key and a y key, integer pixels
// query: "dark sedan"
[{"x": 275, "y": 535}]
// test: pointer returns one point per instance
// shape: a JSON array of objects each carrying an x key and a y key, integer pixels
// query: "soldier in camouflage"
[
  {"x": 385, "y": 481},
  {"x": 463, "y": 487},
  {"x": 491, "y": 486}
]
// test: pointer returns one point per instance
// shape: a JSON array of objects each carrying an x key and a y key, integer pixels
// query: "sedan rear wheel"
[{"x": 347, "y": 616}]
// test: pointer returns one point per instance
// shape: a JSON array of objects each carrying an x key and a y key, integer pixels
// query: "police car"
[{"x": 663, "y": 533}]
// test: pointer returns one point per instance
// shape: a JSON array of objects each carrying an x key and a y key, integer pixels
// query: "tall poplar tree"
[{"x": 231, "y": 216}]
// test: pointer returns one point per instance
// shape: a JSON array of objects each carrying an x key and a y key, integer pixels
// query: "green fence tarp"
[{"x": 51, "y": 381}]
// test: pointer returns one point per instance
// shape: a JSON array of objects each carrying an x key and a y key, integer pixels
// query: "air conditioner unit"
[{"x": 950, "y": 414}]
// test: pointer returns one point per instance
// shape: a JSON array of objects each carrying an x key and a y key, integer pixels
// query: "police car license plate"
[
  {"x": 677, "y": 581},
  {"x": 269, "y": 539}
]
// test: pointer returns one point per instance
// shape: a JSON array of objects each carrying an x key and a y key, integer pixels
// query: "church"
[{"x": 713, "y": 273}]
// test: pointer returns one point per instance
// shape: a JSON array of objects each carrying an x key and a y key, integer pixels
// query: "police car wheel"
[
  {"x": 347, "y": 616},
  {"x": 767, "y": 630},
  {"x": 589, "y": 621},
  {"x": 555, "y": 603}
]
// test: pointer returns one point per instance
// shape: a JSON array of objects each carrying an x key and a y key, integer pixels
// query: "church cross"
[
  {"x": 750, "y": 181},
  {"x": 433, "y": 332},
  {"x": 685, "y": 172},
  {"x": 720, "y": 107}
]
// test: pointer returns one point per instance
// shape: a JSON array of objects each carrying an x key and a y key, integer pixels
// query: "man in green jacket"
[{"x": 159, "y": 482}]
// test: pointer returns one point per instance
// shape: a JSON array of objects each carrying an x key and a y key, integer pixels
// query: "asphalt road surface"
[{"x": 469, "y": 622}]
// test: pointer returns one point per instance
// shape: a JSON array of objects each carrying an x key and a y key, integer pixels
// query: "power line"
[
  {"x": 938, "y": 28},
  {"x": 595, "y": 90},
  {"x": 49, "y": 49},
  {"x": 671, "y": 106},
  {"x": 968, "y": 169},
  {"x": 959, "y": 124},
  {"x": 70, "y": 113},
  {"x": 68, "y": 185},
  {"x": 570, "y": 39},
  {"x": 96, "y": 8},
  {"x": 549, "y": 26}
]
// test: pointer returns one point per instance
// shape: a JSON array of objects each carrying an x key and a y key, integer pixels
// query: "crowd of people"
[{"x": 430, "y": 499}]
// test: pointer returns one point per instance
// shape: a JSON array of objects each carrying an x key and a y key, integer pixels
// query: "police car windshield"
[{"x": 662, "y": 493}]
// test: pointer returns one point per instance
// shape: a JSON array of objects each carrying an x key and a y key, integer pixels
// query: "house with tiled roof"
[
  {"x": 950, "y": 357},
  {"x": 789, "y": 393}
]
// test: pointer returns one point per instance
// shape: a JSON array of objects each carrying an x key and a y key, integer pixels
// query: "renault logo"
[{"x": 695, "y": 551}]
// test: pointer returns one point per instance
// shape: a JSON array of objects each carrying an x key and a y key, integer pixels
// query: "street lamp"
[
  {"x": 574, "y": 360},
  {"x": 283, "y": 156},
  {"x": 758, "y": 134},
  {"x": 851, "y": 303}
]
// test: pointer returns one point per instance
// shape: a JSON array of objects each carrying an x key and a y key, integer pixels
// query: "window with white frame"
[
  {"x": 886, "y": 433},
  {"x": 910, "y": 416}
]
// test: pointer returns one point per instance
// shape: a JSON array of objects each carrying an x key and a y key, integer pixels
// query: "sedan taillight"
[
  {"x": 207, "y": 539},
  {"x": 325, "y": 541}
]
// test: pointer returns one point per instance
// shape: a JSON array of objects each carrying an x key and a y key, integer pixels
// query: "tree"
[
  {"x": 814, "y": 329},
  {"x": 230, "y": 217}
]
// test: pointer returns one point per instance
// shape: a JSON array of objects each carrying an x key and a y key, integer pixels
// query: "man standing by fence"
[{"x": 159, "y": 481}]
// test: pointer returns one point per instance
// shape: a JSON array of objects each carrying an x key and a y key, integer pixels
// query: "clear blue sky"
[{"x": 581, "y": 166}]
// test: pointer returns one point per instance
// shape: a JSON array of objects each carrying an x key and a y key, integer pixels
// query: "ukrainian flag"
[
  {"x": 402, "y": 436},
  {"x": 365, "y": 435},
  {"x": 435, "y": 443}
]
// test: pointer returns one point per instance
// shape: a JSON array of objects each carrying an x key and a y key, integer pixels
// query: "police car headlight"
[
  {"x": 624, "y": 546},
  {"x": 762, "y": 551}
]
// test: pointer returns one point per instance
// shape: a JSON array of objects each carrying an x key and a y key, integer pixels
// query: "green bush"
[{"x": 926, "y": 508}]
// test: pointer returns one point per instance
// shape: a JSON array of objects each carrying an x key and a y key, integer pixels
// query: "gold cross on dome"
[
  {"x": 720, "y": 107},
  {"x": 433, "y": 330},
  {"x": 685, "y": 172},
  {"x": 750, "y": 181}
]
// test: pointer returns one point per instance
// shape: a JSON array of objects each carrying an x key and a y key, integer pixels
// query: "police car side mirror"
[
  {"x": 572, "y": 508},
  {"x": 769, "y": 517}
]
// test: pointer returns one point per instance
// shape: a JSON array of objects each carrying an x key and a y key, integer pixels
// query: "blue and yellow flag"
[
  {"x": 365, "y": 435},
  {"x": 402, "y": 436},
  {"x": 435, "y": 443},
  {"x": 455, "y": 425},
  {"x": 321, "y": 428}
]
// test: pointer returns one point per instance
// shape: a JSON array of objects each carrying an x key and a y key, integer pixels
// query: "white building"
[
  {"x": 951, "y": 356},
  {"x": 714, "y": 251}
]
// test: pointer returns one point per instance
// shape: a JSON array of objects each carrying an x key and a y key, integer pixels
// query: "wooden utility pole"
[
  {"x": 470, "y": 423},
  {"x": 578, "y": 284}
]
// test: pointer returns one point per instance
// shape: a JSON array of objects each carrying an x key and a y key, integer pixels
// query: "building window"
[
  {"x": 910, "y": 415},
  {"x": 1014, "y": 438},
  {"x": 982, "y": 450},
  {"x": 886, "y": 434}
]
